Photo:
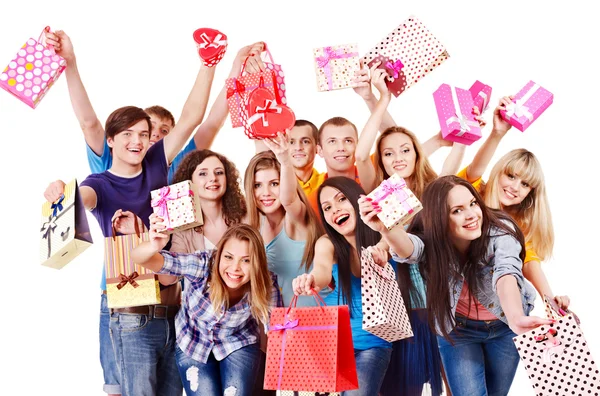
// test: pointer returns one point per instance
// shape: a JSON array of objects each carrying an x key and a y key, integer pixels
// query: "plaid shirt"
[{"x": 201, "y": 330}]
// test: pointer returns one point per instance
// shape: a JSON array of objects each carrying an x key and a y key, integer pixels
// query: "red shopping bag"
[{"x": 310, "y": 349}]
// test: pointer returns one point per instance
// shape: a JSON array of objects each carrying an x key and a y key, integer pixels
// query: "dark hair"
[
  {"x": 335, "y": 121},
  {"x": 313, "y": 128},
  {"x": 441, "y": 261},
  {"x": 234, "y": 204},
  {"x": 161, "y": 113},
  {"x": 123, "y": 118}
]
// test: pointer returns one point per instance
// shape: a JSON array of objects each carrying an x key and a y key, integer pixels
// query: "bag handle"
[
  {"x": 42, "y": 40},
  {"x": 317, "y": 297},
  {"x": 136, "y": 226},
  {"x": 265, "y": 50},
  {"x": 549, "y": 301}
]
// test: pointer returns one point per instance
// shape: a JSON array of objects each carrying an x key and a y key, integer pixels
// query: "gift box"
[
  {"x": 65, "y": 232},
  {"x": 383, "y": 309},
  {"x": 178, "y": 205},
  {"x": 481, "y": 94},
  {"x": 398, "y": 204},
  {"x": 264, "y": 117},
  {"x": 557, "y": 358},
  {"x": 32, "y": 72},
  {"x": 528, "y": 104},
  {"x": 455, "y": 112},
  {"x": 128, "y": 284},
  {"x": 412, "y": 52},
  {"x": 335, "y": 66},
  {"x": 310, "y": 349},
  {"x": 396, "y": 79},
  {"x": 211, "y": 45}
]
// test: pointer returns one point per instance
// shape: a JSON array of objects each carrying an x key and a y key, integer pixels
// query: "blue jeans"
[
  {"x": 234, "y": 375},
  {"x": 112, "y": 378},
  {"x": 371, "y": 365},
  {"x": 145, "y": 352},
  {"x": 483, "y": 360}
]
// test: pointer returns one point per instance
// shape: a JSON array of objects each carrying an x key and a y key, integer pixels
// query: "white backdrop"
[{"x": 142, "y": 53}]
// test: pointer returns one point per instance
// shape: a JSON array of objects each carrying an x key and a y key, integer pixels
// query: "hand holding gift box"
[
  {"x": 32, "y": 71},
  {"x": 528, "y": 105},
  {"x": 335, "y": 66},
  {"x": 481, "y": 94},
  {"x": 396, "y": 80},
  {"x": 455, "y": 112},
  {"x": 398, "y": 204},
  {"x": 178, "y": 205}
]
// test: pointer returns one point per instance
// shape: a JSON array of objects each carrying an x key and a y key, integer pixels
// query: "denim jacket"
[{"x": 502, "y": 259}]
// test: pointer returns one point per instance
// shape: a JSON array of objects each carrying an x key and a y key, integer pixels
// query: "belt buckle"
[{"x": 163, "y": 307}]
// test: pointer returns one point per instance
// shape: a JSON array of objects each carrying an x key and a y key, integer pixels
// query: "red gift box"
[{"x": 212, "y": 45}]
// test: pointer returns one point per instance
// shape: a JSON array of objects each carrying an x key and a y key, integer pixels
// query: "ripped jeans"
[{"x": 232, "y": 376}]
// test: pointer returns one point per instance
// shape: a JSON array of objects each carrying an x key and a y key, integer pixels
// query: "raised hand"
[
  {"x": 280, "y": 146},
  {"x": 158, "y": 238},
  {"x": 378, "y": 77},
  {"x": 482, "y": 122},
  {"x": 500, "y": 125},
  {"x": 304, "y": 285},
  {"x": 54, "y": 191},
  {"x": 368, "y": 213},
  {"x": 362, "y": 82},
  {"x": 62, "y": 45}
]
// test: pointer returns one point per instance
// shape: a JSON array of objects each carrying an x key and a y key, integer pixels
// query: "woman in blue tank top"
[{"x": 337, "y": 263}]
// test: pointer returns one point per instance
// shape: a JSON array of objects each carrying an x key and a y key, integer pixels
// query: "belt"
[{"x": 154, "y": 311}]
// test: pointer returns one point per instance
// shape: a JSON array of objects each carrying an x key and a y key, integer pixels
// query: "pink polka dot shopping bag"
[{"x": 32, "y": 71}]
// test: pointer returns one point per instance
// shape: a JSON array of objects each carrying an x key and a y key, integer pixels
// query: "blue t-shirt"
[
  {"x": 191, "y": 146},
  {"x": 132, "y": 194},
  {"x": 361, "y": 339}
]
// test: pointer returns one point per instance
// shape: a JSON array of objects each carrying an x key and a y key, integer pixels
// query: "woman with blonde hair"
[
  {"x": 229, "y": 294},
  {"x": 516, "y": 185},
  {"x": 278, "y": 208}
]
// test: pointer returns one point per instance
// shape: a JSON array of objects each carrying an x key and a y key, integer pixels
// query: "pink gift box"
[
  {"x": 455, "y": 111},
  {"x": 398, "y": 204},
  {"x": 527, "y": 106},
  {"x": 336, "y": 66},
  {"x": 178, "y": 205},
  {"x": 481, "y": 94},
  {"x": 31, "y": 73}
]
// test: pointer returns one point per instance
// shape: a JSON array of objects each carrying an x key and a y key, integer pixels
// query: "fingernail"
[{"x": 369, "y": 199}]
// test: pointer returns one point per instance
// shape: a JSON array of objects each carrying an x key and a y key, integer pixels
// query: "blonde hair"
[
  {"x": 267, "y": 160},
  {"x": 533, "y": 214},
  {"x": 423, "y": 173},
  {"x": 260, "y": 279}
]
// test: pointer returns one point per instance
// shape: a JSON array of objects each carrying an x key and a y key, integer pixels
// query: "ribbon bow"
[
  {"x": 239, "y": 89},
  {"x": 464, "y": 122},
  {"x": 328, "y": 54},
  {"x": 397, "y": 188},
  {"x": 518, "y": 108},
  {"x": 57, "y": 206},
  {"x": 288, "y": 325},
  {"x": 47, "y": 229},
  {"x": 165, "y": 195},
  {"x": 216, "y": 43},
  {"x": 261, "y": 112},
  {"x": 128, "y": 279},
  {"x": 395, "y": 67}
]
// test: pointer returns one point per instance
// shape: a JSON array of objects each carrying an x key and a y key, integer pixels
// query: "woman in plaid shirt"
[{"x": 230, "y": 291}]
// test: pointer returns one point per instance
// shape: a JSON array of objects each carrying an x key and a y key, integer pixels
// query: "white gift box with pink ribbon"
[
  {"x": 178, "y": 205},
  {"x": 398, "y": 204},
  {"x": 528, "y": 104},
  {"x": 335, "y": 66},
  {"x": 455, "y": 112}
]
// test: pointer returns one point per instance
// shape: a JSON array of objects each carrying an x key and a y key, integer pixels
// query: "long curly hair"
[{"x": 233, "y": 202}]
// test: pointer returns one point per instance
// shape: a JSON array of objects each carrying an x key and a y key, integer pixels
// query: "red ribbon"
[
  {"x": 128, "y": 279},
  {"x": 239, "y": 89}
]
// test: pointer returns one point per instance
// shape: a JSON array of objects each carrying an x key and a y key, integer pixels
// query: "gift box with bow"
[
  {"x": 481, "y": 94},
  {"x": 528, "y": 104},
  {"x": 398, "y": 204},
  {"x": 178, "y": 205},
  {"x": 455, "y": 112},
  {"x": 211, "y": 44},
  {"x": 336, "y": 66}
]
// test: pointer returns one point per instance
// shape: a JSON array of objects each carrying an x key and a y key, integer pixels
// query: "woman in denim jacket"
[{"x": 471, "y": 257}]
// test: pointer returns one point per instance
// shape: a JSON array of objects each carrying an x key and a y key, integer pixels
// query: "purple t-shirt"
[{"x": 132, "y": 194}]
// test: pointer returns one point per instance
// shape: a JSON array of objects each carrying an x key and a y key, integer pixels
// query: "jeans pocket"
[{"x": 130, "y": 323}]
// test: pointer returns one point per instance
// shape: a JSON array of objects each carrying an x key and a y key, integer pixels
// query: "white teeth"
[{"x": 341, "y": 219}]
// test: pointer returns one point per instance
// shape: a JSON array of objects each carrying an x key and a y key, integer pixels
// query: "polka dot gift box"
[
  {"x": 412, "y": 51},
  {"x": 178, "y": 205},
  {"x": 528, "y": 104},
  {"x": 455, "y": 112},
  {"x": 383, "y": 309},
  {"x": 32, "y": 71},
  {"x": 398, "y": 204},
  {"x": 557, "y": 358},
  {"x": 335, "y": 66}
]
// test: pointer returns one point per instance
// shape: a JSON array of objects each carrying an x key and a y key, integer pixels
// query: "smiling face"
[
  {"x": 337, "y": 147},
  {"x": 464, "y": 222},
  {"x": 266, "y": 190},
  {"x": 210, "y": 179},
  {"x": 160, "y": 128},
  {"x": 512, "y": 190},
  {"x": 303, "y": 147},
  {"x": 131, "y": 145},
  {"x": 235, "y": 264},
  {"x": 398, "y": 155},
  {"x": 338, "y": 211}
]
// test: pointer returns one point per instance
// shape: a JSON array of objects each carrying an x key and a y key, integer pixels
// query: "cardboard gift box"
[
  {"x": 481, "y": 94},
  {"x": 398, "y": 204},
  {"x": 455, "y": 112},
  {"x": 211, "y": 45},
  {"x": 178, "y": 205},
  {"x": 528, "y": 104},
  {"x": 335, "y": 66}
]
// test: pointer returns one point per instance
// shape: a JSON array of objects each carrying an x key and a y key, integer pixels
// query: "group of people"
[{"x": 464, "y": 264}]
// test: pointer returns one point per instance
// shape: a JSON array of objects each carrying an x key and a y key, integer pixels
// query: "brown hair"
[
  {"x": 260, "y": 284},
  {"x": 313, "y": 128},
  {"x": 233, "y": 202},
  {"x": 161, "y": 113},
  {"x": 335, "y": 121},
  {"x": 123, "y": 118},
  {"x": 267, "y": 160},
  {"x": 423, "y": 173}
]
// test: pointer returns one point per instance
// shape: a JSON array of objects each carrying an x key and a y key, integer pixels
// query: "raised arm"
[
  {"x": 320, "y": 276},
  {"x": 366, "y": 169},
  {"x": 93, "y": 132},
  {"x": 362, "y": 86}
]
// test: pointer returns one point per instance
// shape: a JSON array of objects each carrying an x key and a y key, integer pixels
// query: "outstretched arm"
[{"x": 362, "y": 86}]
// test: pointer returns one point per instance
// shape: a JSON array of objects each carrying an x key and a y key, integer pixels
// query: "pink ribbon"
[
  {"x": 165, "y": 195},
  {"x": 395, "y": 67},
  {"x": 388, "y": 187},
  {"x": 330, "y": 54},
  {"x": 216, "y": 43}
]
